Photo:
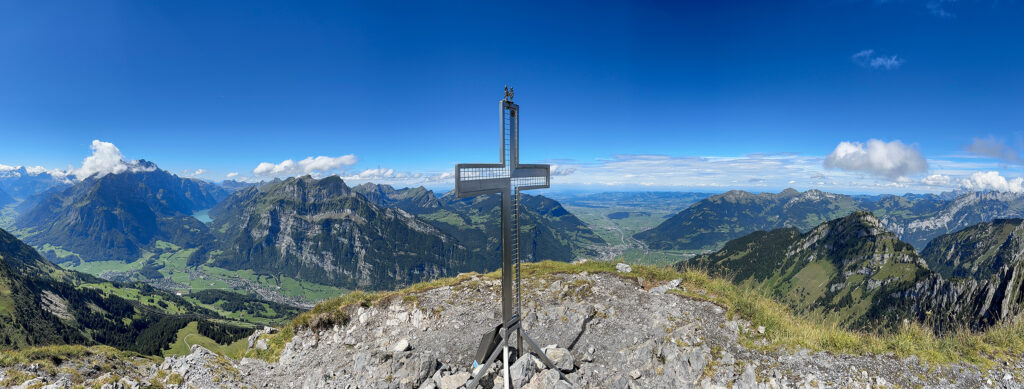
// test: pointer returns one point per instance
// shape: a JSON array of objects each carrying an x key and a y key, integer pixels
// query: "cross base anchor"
[{"x": 504, "y": 334}]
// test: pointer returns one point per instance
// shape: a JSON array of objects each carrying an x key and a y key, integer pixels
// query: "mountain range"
[
  {"x": 21, "y": 182},
  {"x": 323, "y": 231},
  {"x": 855, "y": 258},
  {"x": 118, "y": 216},
  {"x": 855, "y": 271},
  {"x": 548, "y": 231},
  {"x": 316, "y": 230},
  {"x": 914, "y": 218}
]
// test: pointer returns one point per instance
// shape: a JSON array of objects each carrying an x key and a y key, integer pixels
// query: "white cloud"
[
  {"x": 311, "y": 165},
  {"x": 561, "y": 170},
  {"x": 106, "y": 159},
  {"x": 232, "y": 175},
  {"x": 993, "y": 148},
  {"x": 980, "y": 181},
  {"x": 373, "y": 174},
  {"x": 868, "y": 59},
  {"x": 891, "y": 160},
  {"x": 936, "y": 180},
  {"x": 193, "y": 173},
  {"x": 398, "y": 178}
]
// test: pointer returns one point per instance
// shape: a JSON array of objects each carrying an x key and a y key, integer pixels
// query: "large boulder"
[
  {"x": 561, "y": 357},
  {"x": 454, "y": 381},
  {"x": 522, "y": 371},
  {"x": 623, "y": 268}
]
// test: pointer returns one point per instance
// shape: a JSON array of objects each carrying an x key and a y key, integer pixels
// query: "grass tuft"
[{"x": 55, "y": 355}]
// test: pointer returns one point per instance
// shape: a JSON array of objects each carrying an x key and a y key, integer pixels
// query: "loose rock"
[
  {"x": 401, "y": 346},
  {"x": 623, "y": 268}
]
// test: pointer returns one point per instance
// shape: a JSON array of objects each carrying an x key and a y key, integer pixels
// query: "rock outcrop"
[{"x": 606, "y": 331}]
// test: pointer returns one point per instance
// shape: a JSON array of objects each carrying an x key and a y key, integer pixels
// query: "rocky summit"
[{"x": 601, "y": 329}]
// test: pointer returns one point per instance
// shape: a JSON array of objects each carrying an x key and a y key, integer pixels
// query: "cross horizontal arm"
[
  {"x": 533, "y": 176},
  {"x": 474, "y": 179}
]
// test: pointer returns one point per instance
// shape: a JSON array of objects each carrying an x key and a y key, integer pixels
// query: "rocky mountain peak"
[
  {"x": 309, "y": 189},
  {"x": 789, "y": 192},
  {"x": 858, "y": 239},
  {"x": 733, "y": 196}
]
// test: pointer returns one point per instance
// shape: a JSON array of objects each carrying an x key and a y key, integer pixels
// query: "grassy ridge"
[
  {"x": 784, "y": 329},
  {"x": 189, "y": 335}
]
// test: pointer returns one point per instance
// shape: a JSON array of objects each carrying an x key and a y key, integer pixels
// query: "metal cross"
[{"x": 508, "y": 178}]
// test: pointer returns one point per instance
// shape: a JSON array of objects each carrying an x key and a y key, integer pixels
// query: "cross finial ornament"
[{"x": 507, "y": 178}]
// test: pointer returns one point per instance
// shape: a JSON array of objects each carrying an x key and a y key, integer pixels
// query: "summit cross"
[{"x": 509, "y": 178}]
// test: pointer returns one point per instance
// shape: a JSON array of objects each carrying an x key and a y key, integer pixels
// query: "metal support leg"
[
  {"x": 544, "y": 357},
  {"x": 508, "y": 377},
  {"x": 487, "y": 366}
]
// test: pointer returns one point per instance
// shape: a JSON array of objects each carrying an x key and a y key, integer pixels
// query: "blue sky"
[{"x": 675, "y": 95}]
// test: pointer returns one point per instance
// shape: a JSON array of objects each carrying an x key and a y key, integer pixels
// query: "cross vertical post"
[{"x": 507, "y": 178}]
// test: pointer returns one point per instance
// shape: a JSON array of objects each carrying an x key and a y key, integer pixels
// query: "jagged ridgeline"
[
  {"x": 846, "y": 268},
  {"x": 118, "y": 216},
  {"x": 548, "y": 231},
  {"x": 22, "y": 182},
  {"x": 852, "y": 270},
  {"x": 915, "y": 218},
  {"x": 979, "y": 276},
  {"x": 41, "y": 304},
  {"x": 374, "y": 236},
  {"x": 975, "y": 252},
  {"x": 322, "y": 231}
]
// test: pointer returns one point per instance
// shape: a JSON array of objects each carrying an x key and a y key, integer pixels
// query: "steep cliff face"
[
  {"x": 322, "y": 231},
  {"x": 951, "y": 304},
  {"x": 974, "y": 252},
  {"x": 983, "y": 266},
  {"x": 548, "y": 232}
]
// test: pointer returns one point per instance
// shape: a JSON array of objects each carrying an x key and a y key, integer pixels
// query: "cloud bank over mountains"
[
  {"x": 852, "y": 166},
  {"x": 992, "y": 180},
  {"x": 311, "y": 165}
]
